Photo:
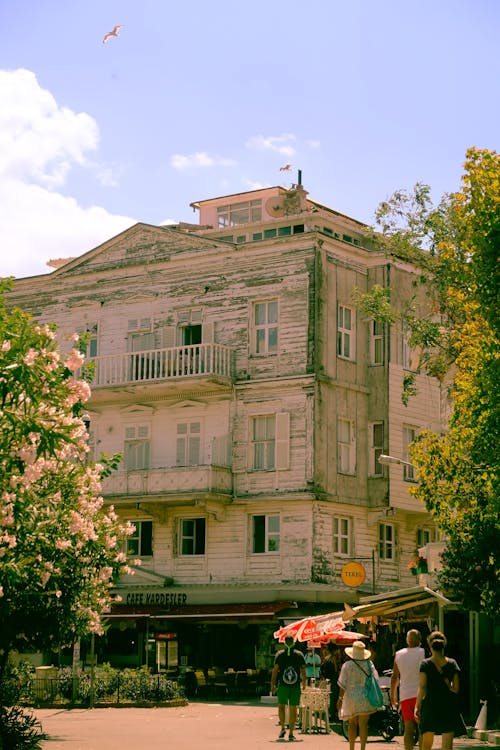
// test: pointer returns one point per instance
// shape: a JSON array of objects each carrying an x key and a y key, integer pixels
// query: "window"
[
  {"x": 345, "y": 332},
  {"x": 269, "y": 442},
  {"x": 346, "y": 447},
  {"x": 192, "y": 536},
  {"x": 265, "y": 534},
  {"x": 424, "y": 536},
  {"x": 239, "y": 213},
  {"x": 264, "y": 442},
  {"x": 409, "y": 434},
  {"x": 387, "y": 542},
  {"x": 409, "y": 355},
  {"x": 88, "y": 340},
  {"x": 188, "y": 444},
  {"x": 266, "y": 327},
  {"x": 376, "y": 448},
  {"x": 137, "y": 447},
  {"x": 140, "y": 544},
  {"x": 342, "y": 528},
  {"x": 376, "y": 342}
]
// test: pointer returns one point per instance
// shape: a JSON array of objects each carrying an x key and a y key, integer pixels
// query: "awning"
[
  {"x": 246, "y": 611},
  {"x": 391, "y": 604},
  {"x": 213, "y": 612}
]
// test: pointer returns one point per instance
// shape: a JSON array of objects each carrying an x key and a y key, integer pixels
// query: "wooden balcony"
[
  {"x": 169, "y": 484},
  {"x": 200, "y": 367}
]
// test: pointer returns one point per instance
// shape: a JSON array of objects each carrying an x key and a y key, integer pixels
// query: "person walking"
[
  {"x": 406, "y": 674},
  {"x": 353, "y": 703},
  {"x": 287, "y": 679},
  {"x": 436, "y": 707}
]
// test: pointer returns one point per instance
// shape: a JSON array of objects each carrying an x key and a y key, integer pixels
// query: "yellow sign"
[{"x": 353, "y": 574}]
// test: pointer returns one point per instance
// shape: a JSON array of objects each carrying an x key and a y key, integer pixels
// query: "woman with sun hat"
[{"x": 353, "y": 704}]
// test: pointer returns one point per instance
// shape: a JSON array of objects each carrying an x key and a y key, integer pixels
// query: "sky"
[{"x": 194, "y": 100}]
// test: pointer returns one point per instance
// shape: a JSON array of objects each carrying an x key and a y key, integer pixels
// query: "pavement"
[{"x": 211, "y": 726}]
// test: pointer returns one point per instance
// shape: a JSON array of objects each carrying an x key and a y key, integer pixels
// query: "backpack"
[{"x": 372, "y": 688}]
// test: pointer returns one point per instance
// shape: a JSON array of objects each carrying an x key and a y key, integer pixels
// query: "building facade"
[{"x": 251, "y": 402}]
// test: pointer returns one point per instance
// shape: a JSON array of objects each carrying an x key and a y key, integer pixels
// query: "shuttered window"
[
  {"x": 270, "y": 441},
  {"x": 188, "y": 444},
  {"x": 346, "y": 447},
  {"x": 137, "y": 447}
]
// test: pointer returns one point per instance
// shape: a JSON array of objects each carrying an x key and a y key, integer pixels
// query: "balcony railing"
[
  {"x": 173, "y": 480},
  {"x": 175, "y": 362}
]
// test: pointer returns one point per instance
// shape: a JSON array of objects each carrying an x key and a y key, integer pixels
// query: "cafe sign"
[
  {"x": 353, "y": 574},
  {"x": 150, "y": 597}
]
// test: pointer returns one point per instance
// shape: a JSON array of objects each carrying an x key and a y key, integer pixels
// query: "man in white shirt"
[{"x": 406, "y": 673}]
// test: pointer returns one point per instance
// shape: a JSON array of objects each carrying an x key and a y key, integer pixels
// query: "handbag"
[{"x": 372, "y": 688}]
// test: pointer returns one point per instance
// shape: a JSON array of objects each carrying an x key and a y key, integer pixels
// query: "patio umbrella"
[{"x": 311, "y": 627}]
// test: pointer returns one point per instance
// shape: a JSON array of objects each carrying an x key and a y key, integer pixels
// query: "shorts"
[
  {"x": 288, "y": 694},
  {"x": 408, "y": 708}
]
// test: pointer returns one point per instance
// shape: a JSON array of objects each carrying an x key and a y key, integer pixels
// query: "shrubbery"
[{"x": 110, "y": 686}]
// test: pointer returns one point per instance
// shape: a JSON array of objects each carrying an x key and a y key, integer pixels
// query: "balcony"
[
  {"x": 170, "y": 484},
  {"x": 208, "y": 365}
]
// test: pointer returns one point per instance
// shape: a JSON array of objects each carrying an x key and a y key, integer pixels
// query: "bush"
[{"x": 19, "y": 729}]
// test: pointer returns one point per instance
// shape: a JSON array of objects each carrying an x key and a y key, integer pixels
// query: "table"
[{"x": 314, "y": 709}]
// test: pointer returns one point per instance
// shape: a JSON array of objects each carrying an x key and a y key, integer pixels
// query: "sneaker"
[
  {"x": 292, "y": 738},
  {"x": 282, "y": 734}
]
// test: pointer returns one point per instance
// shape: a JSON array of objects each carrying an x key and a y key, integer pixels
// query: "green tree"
[
  {"x": 59, "y": 546},
  {"x": 455, "y": 248}
]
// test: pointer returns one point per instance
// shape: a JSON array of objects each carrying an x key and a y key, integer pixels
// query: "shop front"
[{"x": 389, "y": 615}]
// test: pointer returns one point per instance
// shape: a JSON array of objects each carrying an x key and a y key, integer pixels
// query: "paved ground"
[{"x": 211, "y": 726}]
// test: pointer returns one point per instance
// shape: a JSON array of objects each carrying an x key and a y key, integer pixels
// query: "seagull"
[
  {"x": 112, "y": 33},
  {"x": 286, "y": 168}
]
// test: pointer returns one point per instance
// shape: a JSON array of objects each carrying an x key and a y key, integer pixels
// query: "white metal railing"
[{"x": 162, "y": 364}]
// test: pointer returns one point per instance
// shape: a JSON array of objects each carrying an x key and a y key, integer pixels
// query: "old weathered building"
[{"x": 251, "y": 402}]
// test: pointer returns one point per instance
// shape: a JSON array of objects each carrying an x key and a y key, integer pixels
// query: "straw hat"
[{"x": 358, "y": 651}]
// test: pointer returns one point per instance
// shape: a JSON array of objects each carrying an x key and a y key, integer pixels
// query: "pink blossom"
[
  {"x": 6, "y": 346},
  {"x": 30, "y": 357},
  {"x": 74, "y": 360}
]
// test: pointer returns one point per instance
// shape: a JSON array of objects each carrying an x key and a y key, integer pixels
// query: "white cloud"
[
  {"x": 283, "y": 144},
  {"x": 40, "y": 142},
  {"x": 200, "y": 159}
]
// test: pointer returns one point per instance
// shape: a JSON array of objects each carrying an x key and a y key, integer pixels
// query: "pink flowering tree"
[{"x": 59, "y": 546}]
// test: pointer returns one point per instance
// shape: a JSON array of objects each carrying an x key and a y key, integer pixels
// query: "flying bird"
[
  {"x": 112, "y": 33},
  {"x": 286, "y": 168}
]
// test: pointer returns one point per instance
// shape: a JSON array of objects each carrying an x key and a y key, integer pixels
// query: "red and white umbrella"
[
  {"x": 339, "y": 638},
  {"x": 310, "y": 628}
]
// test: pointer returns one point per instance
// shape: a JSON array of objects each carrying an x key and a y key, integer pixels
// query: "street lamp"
[{"x": 386, "y": 460}]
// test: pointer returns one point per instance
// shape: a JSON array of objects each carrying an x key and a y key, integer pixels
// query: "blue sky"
[{"x": 194, "y": 100}]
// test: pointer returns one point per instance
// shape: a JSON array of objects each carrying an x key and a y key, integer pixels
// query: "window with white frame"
[
  {"x": 376, "y": 342},
  {"x": 342, "y": 536},
  {"x": 188, "y": 444},
  {"x": 409, "y": 434},
  {"x": 387, "y": 542},
  {"x": 265, "y": 534},
  {"x": 345, "y": 332},
  {"x": 140, "y": 335},
  {"x": 376, "y": 438},
  {"x": 410, "y": 354},
  {"x": 192, "y": 536},
  {"x": 270, "y": 442},
  {"x": 88, "y": 340},
  {"x": 140, "y": 543},
  {"x": 137, "y": 447},
  {"x": 346, "y": 447},
  {"x": 239, "y": 213},
  {"x": 424, "y": 536},
  {"x": 264, "y": 442},
  {"x": 265, "y": 322}
]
